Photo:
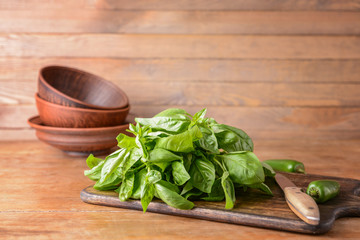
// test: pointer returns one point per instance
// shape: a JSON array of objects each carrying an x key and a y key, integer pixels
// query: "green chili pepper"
[
  {"x": 323, "y": 190},
  {"x": 286, "y": 165}
]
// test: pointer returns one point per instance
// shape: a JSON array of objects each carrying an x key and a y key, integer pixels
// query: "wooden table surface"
[{"x": 40, "y": 197}]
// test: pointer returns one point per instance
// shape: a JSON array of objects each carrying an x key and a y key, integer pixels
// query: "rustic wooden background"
[{"x": 277, "y": 69}]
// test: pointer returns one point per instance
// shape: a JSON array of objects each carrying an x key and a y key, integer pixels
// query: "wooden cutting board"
[{"x": 253, "y": 208}]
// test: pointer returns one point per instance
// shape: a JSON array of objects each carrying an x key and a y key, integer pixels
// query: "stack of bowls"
[{"x": 79, "y": 113}]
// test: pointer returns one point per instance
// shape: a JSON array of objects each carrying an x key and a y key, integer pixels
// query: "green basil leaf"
[
  {"x": 139, "y": 183},
  {"x": 211, "y": 121},
  {"x": 153, "y": 176},
  {"x": 162, "y": 165},
  {"x": 126, "y": 187},
  {"x": 182, "y": 142},
  {"x": 166, "y": 124},
  {"x": 194, "y": 194},
  {"x": 232, "y": 139},
  {"x": 92, "y": 161},
  {"x": 147, "y": 195},
  {"x": 111, "y": 183},
  {"x": 244, "y": 167},
  {"x": 263, "y": 187},
  {"x": 129, "y": 161},
  {"x": 174, "y": 112},
  {"x": 217, "y": 192},
  {"x": 171, "y": 197},
  {"x": 229, "y": 190},
  {"x": 219, "y": 167},
  {"x": 202, "y": 173},
  {"x": 163, "y": 155},
  {"x": 199, "y": 115},
  {"x": 187, "y": 160},
  {"x": 157, "y": 134},
  {"x": 170, "y": 186},
  {"x": 162, "y": 158},
  {"x": 174, "y": 151},
  {"x": 94, "y": 173},
  {"x": 125, "y": 141},
  {"x": 188, "y": 186},
  {"x": 268, "y": 170},
  {"x": 141, "y": 145},
  {"x": 132, "y": 128},
  {"x": 111, "y": 164},
  {"x": 180, "y": 175},
  {"x": 195, "y": 133},
  {"x": 168, "y": 175},
  {"x": 208, "y": 141}
]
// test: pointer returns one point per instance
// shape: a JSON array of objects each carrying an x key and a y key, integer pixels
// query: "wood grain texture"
[
  {"x": 16, "y": 92},
  {"x": 192, "y": 70},
  {"x": 45, "y": 4},
  {"x": 180, "y": 22},
  {"x": 28, "y": 134},
  {"x": 214, "y": 94},
  {"x": 253, "y": 208},
  {"x": 242, "y": 94},
  {"x": 13, "y": 134},
  {"x": 55, "y": 209},
  {"x": 130, "y": 225},
  {"x": 319, "y": 5},
  {"x": 262, "y": 118},
  {"x": 15, "y": 117},
  {"x": 273, "y": 5},
  {"x": 176, "y": 50},
  {"x": 179, "y": 46},
  {"x": 259, "y": 122}
]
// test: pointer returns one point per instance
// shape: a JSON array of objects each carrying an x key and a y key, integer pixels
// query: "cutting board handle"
[{"x": 352, "y": 206}]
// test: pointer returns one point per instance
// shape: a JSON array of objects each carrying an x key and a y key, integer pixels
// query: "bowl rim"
[
  {"x": 77, "y": 109},
  {"x": 91, "y": 106},
  {"x": 36, "y": 123}
]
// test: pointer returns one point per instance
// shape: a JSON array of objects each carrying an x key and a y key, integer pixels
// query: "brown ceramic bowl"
[
  {"x": 60, "y": 116},
  {"x": 75, "y": 88},
  {"x": 78, "y": 141}
]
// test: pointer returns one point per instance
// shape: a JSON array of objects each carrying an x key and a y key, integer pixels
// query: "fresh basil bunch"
[{"x": 178, "y": 157}]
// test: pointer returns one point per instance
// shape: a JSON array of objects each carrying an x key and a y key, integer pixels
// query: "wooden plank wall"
[{"x": 277, "y": 69}]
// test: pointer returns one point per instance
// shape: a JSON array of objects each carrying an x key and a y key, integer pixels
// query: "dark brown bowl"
[
  {"x": 60, "y": 116},
  {"x": 75, "y": 88},
  {"x": 78, "y": 141}
]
